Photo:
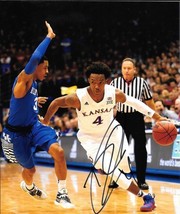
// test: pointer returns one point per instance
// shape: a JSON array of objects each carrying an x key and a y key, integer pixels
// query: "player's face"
[
  {"x": 128, "y": 70},
  {"x": 97, "y": 83},
  {"x": 42, "y": 70}
]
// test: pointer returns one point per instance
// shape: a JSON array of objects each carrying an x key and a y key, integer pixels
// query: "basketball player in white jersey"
[{"x": 100, "y": 135}]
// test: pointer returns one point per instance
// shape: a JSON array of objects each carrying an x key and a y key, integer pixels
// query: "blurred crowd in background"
[{"x": 87, "y": 32}]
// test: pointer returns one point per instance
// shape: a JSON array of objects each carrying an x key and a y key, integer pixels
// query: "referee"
[{"x": 131, "y": 120}]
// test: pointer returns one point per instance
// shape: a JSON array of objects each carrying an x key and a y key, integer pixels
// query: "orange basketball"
[{"x": 164, "y": 133}]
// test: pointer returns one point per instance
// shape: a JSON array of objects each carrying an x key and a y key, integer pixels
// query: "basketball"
[{"x": 164, "y": 133}]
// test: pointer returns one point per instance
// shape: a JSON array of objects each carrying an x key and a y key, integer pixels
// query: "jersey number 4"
[{"x": 98, "y": 120}]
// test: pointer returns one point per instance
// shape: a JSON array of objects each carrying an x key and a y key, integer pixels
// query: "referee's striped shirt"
[{"x": 137, "y": 88}]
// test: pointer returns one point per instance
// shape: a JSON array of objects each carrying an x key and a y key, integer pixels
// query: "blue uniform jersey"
[
  {"x": 24, "y": 111},
  {"x": 23, "y": 130},
  {"x": 17, "y": 142}
]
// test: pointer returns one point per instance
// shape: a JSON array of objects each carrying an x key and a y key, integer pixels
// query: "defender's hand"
[
  {"x": 50, "y": 34},
  {"x": 41, "y": 101},
  {"x": 41, "y": 119}
]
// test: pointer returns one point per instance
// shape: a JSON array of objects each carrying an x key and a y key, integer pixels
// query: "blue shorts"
[{"x": 40, "y": 136}]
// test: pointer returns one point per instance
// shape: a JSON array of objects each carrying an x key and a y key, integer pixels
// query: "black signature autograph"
[{"x": 106, "y": 192}]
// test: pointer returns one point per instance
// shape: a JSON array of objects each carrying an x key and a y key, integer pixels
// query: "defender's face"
[
  {"x": 42, "y": 70},
  {"x": 97, "y": 83}
]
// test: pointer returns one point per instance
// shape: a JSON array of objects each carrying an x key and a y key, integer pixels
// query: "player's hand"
[
  {"x": 157, "y": 117},
  {"x": 50, "y": 34},
  {"x": 41, "y": 119},
  {"x": 41, "y": 101},
  {"x": 163, "y": 119}
]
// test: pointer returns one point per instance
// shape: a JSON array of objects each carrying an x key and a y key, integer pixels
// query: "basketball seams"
[
  {"x": 165, "y": 136},
  {"x": 166, "y": 129},
  {"x": 164, "y": 133},
  {"x": 166, "y": 140}
]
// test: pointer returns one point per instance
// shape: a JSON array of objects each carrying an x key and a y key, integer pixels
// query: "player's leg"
[
  {"x": 129, "y": 184},
  {"x": 22, "y": 151},
  {"x": 29, "y": 186},
  {"x": 62, "y": 197},
  {"x": 108, "y": 163},
  {"x": 47, "y": 139},
  {"x": 56, "y": 151},
  {"x": 126, "y": 183}
]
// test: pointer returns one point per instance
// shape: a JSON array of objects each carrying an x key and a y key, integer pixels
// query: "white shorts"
[{"x": 113, "y": 147}]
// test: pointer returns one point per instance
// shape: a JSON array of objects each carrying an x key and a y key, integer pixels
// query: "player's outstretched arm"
[
  {"x": 26, "y": 75},
  {"x": 40, "y": 51},
  {"x": 138, "y": 105},
  {"x": 68, "y": 101}
]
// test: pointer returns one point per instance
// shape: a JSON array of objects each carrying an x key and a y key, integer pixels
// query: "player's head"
[
  {"x": 42, "y": 69},
  {"x": 97, "y": 74},
  {"x": 128, "y": 69},
  {"x": 44, "y": 58},
  {"x": 98, "y": 68}
]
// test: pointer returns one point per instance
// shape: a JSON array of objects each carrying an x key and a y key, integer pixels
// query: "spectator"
[
  {"x": 165, "y": 96},
  {"x": 164, "y": 111},
  {"x": 177, "y": 107}
]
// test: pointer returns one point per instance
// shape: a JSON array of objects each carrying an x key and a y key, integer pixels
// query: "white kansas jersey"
[{"x": 94, "y": 118}]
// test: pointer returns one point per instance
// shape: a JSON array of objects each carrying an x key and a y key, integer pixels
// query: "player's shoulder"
[
  {"x": 110, "y": 90},
  {"x": 109, "y": 87},
  {"x": 81, "y": 90}
]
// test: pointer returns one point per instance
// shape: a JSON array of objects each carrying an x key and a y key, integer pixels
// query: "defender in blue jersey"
[{"x": 24, "y": 131}]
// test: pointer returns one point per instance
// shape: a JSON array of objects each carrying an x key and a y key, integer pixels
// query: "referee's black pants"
[{"x": 133, "y": 125}]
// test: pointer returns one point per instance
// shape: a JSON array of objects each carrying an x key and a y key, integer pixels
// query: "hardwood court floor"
[{"x": 15, "y": 201}]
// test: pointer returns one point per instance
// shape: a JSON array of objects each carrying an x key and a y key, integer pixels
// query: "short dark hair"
[
  {"x": 44, "y": 58},
  {"x": 129, "y": 59},
  {"x": 98, "y": 68},
  {"x": 159, "y": 101}
]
